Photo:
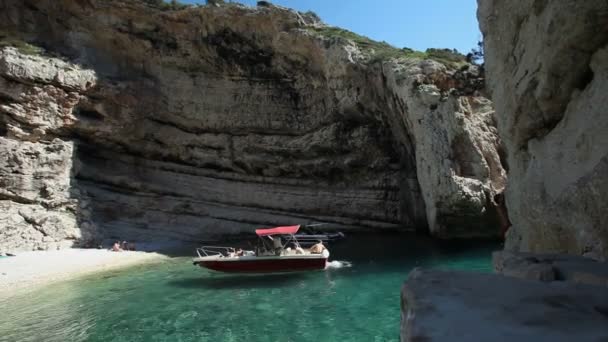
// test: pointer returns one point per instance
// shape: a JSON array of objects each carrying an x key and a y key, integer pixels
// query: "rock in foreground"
[
  {"x": 466, "y": 306},
  {"x": 550, "y": 267}
]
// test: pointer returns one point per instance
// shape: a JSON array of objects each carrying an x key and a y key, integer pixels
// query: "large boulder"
[
  {"x": 551, "y": 267},
  {"x": 466, "y": 306}
]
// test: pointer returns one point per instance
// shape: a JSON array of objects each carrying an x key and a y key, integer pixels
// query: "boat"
[{"x": 278, "y": 251}]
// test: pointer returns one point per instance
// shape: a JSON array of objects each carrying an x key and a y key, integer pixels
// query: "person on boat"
[
  {"x": 318, "y": 248},
  {"x": 278, "y": 245},
  {"x": 239, "y": 252}
]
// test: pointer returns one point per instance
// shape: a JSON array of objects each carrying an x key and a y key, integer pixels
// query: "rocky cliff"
[
  {"x": 547, "y": 68},
  {"x": 121, "y": 119}
]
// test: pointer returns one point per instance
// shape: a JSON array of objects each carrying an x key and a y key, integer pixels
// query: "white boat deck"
[{"x": 250, "y": 255}]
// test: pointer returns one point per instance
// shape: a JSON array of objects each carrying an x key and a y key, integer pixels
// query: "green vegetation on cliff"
[
  {"x": 172, "y": 5},
  {"x": 8, "y": 39},
  {"x": 382, "y": 51}
]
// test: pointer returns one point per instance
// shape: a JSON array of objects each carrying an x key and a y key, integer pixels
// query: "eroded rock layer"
[
  {"x": 547, "y": 67},
  {"x": 216, "y": 120}
]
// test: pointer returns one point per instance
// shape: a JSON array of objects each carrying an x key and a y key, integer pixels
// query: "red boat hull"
[{"x": 265, "y": 265}]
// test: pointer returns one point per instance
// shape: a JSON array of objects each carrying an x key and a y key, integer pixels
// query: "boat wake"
[{"x": 336, "y": 264}]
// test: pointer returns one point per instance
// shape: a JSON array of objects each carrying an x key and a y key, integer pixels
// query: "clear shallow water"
[{"x": 175, "y": 301}]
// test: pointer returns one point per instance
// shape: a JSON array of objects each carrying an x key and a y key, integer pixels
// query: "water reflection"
[
  {"x": 58, "y": 312},
  {"x": 222, "y": 282}
]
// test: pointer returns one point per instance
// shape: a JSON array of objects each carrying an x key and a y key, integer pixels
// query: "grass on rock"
[
  {"x": 7, "y": 39},
  {"x": 383, "y": 51}
]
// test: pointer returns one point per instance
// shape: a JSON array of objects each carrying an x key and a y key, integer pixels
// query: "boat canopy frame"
[
  {"x": 268, "y": 243},
  {"x": 268, "y": 233},
  {"x": 271, "y": 246},
  {"x": 219, "y": 251}
]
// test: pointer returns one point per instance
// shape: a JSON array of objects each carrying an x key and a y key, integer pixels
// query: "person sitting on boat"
[
  {"x": 239, "y": 252},
  {"x": 278, "y": 245},
  {"x": 318, "y": 248}
]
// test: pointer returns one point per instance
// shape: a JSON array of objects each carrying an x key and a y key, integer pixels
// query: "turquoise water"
[{"x": 175, "y": 301}]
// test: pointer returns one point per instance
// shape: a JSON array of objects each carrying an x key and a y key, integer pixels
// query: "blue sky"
[{"x": 417, "y": 24}]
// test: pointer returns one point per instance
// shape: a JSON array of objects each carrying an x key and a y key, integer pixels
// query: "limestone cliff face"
[
  {"x": 216, "y": 120},
  {"x": 40, "y": 206},
  {"x": 547, "y": 65}
]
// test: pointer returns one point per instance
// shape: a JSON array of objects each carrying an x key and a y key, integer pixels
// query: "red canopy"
[{"x": 277, "y": 230}]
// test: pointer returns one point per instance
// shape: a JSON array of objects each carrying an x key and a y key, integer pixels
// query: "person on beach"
[
  {"x": 116, "y": 247},
  {"x": 317, "y": 248}
]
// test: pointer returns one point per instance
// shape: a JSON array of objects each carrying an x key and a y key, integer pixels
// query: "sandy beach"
[{"x": 29, "y": 270}]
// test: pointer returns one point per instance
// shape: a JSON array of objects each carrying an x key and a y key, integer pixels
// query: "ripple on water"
[{"x": 356, "y": 299}]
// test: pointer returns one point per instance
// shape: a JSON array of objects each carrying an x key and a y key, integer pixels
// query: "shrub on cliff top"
[
  {"x": 7, "y": 39},
  {"x": 451, "y": 58},
  {"x": 366, "y": 44},
  {"x": 172, "y": 5},
  {"x": 382, "y": 51},
  {"x": 476, "y": 56}
]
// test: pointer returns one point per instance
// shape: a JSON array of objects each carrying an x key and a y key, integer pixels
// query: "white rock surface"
[
  {"x": 456, "y": 148},
  {"x": 39, "y": 207}
]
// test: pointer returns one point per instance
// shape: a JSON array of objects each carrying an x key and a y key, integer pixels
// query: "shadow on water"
[
  {"x": 360, "y": 255},
  {"x": 218, "y": 282},
  {"x": 358, "y": 246}
]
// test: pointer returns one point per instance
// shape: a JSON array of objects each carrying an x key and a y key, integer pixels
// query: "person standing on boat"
[{"x": 278, "y": 245}]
